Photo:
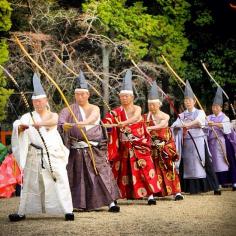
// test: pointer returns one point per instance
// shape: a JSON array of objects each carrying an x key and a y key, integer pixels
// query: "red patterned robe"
[
  {"x": 164, "y": 157},
  {"x": 130, "y": 156},
  {"x": 10, "y": 176}
]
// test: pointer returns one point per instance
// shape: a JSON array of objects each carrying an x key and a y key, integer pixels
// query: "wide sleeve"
[
  {"x": 62, "y": 119},
  {"x": 201, "y": 118},
  {"x": 113, "y": 137},
  {"x": 20, "y": 141},
  {"x": 226, "y": 125}
]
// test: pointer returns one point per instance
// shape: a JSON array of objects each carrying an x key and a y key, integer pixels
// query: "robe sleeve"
[
  {"x": 20, "y": 141},
  {"x": 176, "y": 124},
  {"x": 201, "y": 118},
  {"x": 113, "y": 137},
  {"x": 64, "y": 118},
  {"x": 226, "y": 125}
]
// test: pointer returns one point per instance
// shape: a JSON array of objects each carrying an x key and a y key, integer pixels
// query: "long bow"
[
  {"x": 63, "y": 97},
  {"x": 226, "y": 95},
  {"x": 167, "y": 98},
  {"x": 32, "y": 117},
  {"x": 76, "y": 74},
  {"x": 199, "y": 104}
]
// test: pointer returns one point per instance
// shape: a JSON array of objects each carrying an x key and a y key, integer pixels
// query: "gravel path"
[{"x": 203, "y": 214}]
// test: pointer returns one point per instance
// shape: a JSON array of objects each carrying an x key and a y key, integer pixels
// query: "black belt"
[{"x": 41, "y": 149}]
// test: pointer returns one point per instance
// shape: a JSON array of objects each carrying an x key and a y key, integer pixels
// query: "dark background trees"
[{"x": 107, "y": 34}]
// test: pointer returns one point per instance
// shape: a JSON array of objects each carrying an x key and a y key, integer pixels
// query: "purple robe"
[
  {"x": 195, "y": 177},
  {"x": 192, "y": 165},
  {"x": 226, "y": 172},
  {"x": 89, "y": 191}
]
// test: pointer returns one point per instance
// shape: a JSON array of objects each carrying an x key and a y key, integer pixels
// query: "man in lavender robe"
[
  {"x": 91, "y": 180},
  {"x": 222, "y": 150},
  {"x": 196, "y": 168}
]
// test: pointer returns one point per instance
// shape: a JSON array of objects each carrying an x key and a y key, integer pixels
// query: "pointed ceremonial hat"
[
  {"x": 188, "y": 92},
  {"x": 127, "y": 83},
  {"x": 218, "y": 100},
  {"x": 38, "y": 88},
  {"x": 81, "y": 83},
  {"x": 153, "y": 95}
]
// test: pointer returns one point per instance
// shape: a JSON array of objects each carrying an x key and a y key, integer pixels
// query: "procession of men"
[{"x": 78, "y": 161}]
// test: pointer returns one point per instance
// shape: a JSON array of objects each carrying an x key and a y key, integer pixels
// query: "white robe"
[{"x": 40, "y": 194}]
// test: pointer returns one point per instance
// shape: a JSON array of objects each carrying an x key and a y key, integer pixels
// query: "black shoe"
[
  {"x": 16, "y": 217},
  {"x": 69, "y": 217},
  {"x": 179, "y": 197},
  {"x": 234, "y": 189},
  {"x": 152, "y": 202},
  {"x": 217, "y": 192},
  {"x": 114, "y": 209}
]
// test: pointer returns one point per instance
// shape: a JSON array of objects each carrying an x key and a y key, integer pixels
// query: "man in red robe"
[
  {"x": 129, "y": 148},
  {"x": 164, "y": 153}
]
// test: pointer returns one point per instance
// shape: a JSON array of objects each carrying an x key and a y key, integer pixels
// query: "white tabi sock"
[
  {"x": 150, "y": 197},
  {"x": 178, "y": 194},
  {"x": 112, "y": 205},
  {"x": 234, "y": 185}
]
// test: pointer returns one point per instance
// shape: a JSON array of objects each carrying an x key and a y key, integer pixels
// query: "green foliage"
[
  {"x": 4, "y": 93},
  {"x": 212, "y": 40},
  {"x": 143, "y": 34},
  {"x": 5, "y": 25},
  {"x": 5, "y": 15},
  {"x": 204, "y": 18}
]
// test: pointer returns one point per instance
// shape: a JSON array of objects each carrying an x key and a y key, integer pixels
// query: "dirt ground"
[{"x": 203, "y": 214}]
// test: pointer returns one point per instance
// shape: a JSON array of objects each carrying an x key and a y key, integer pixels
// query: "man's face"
[
  {"x": 153, "y": 107},
  {"x": 189, "y": 103},
  {"x": 81, "y": 97},
  {"x": 216, "y": 109},
  {"x": 126, "y": 99},
  {"x": 40, "y": 104}
]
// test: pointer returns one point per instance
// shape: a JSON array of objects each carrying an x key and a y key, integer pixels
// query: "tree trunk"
[{"x": 106, "y": 51}]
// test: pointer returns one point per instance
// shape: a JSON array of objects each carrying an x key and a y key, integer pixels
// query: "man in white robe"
[{"x": 45, "y": 181}]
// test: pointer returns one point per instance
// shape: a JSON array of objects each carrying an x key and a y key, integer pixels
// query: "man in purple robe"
[
  {"x": 91, "y": 180},
  {"x": 222, "y": 147},
  {"x": 196, "y": 171}
]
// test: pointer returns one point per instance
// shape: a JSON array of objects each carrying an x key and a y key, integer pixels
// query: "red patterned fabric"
[
  {"x": 10, "y": 175},
  {"x": 132, "y": 164},
  {"x": 164, "y": 158}
]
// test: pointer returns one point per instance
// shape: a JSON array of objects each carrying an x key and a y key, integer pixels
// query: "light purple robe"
[
  {"x": 193, "y": 168},
  {"x": 219, "y": 162}
]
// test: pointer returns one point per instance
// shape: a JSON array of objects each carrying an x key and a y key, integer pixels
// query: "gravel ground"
[{"x": 203, "y": 214}]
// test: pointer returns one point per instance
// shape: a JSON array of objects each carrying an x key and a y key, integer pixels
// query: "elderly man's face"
[
  {"x": 126, "y": 99},
  {"x": 154, "y": 107},
  {"x": 189, "y": 103},
  {"x": 40, "y": 104},
  {"x": 81, "y": 97}
]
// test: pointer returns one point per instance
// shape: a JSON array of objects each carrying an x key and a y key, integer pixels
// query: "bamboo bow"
[
  {"x": 31, "y": 114},
  {"x": 62, "y": 95},
  {"x": 198, "y": 102},
  {"x": 226, "y": 95}
]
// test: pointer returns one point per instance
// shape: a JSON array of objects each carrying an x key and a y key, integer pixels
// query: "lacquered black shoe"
[
  {"x": 114, "y": 209},
  {"x": 217, "y": 192},
  {"x": 234, "y": 189},
  {"x": 69, "y": 217},
  {"x": 179, "y": 197},
  {"x": 152, "y": 202},
  {"x": 16, "y": 217}
]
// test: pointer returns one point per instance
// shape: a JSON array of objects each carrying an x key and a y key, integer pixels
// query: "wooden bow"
[{"x": 62, "y": 95}]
